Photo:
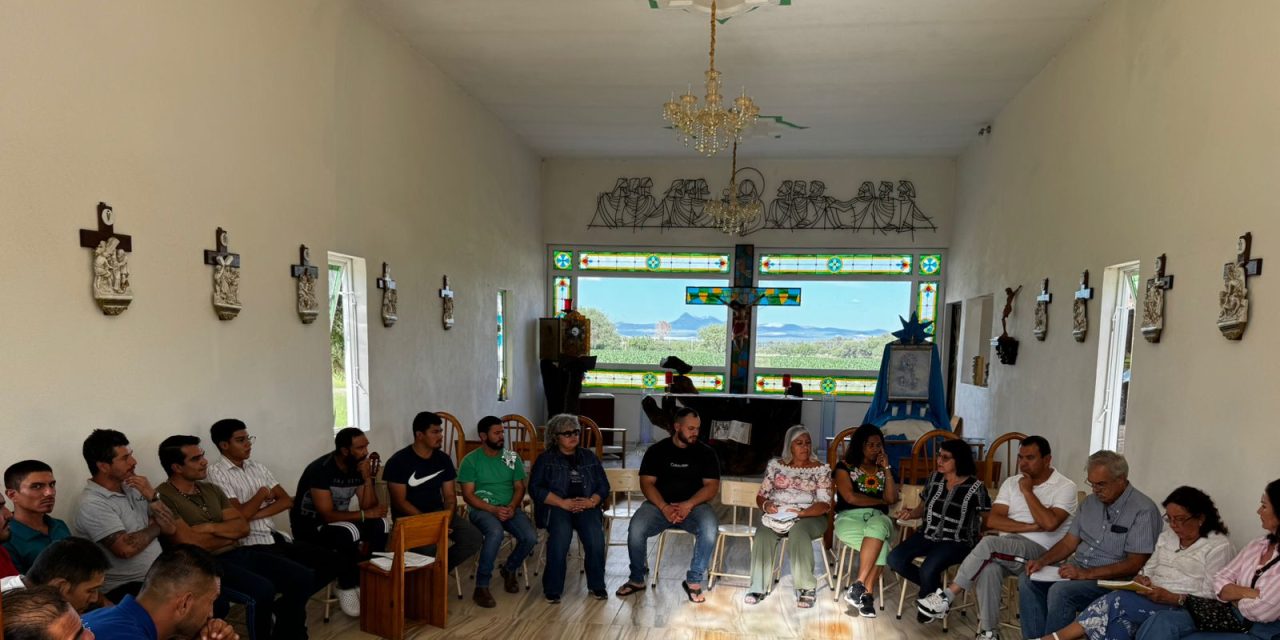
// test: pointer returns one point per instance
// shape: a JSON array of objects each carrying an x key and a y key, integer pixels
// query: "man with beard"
[
  {"x": 678, "y": 476},
  {"x": 209, "y": 521},
  {"x": 493, "y": 486},
  {"x": 121, "y": 512},
  {"x": 176, "y": 602},
  {"x": 420, "y": 479},
  {"x": 321, "y": 512},
  {"x": 31, "y": 487}
]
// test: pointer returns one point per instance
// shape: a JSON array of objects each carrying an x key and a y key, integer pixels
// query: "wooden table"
[{"x": 611, "y": 446}]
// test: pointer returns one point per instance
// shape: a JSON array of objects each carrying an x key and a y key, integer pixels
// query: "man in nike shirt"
[{"x": 420, "y": 478}]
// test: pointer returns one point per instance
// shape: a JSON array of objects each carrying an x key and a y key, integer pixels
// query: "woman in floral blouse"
[
  {"x": 795, "y": 497},
  {"x": 864, "y": 491}
]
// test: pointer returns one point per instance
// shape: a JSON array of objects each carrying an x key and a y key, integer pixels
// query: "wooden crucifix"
[
  {"x": 1153, "y": 302},
  {"x": 446, "y": 298},
  {"x": 1080, "y": 308},
  {"x": 306, "y": 273},
  {"x": 1041, "y": 329},
  {"x": 1233, "y": 301},
  {"x": 110, "y": 265},
  {"x": 226, "y": 277},
  {"x": 390, "y": 299}
]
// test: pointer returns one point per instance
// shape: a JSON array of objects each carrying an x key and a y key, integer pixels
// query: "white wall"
[
  {"x": 286, "y": 123},
  {"x": 1154, "y": 131},
  {"x": 570, "y": 188}
]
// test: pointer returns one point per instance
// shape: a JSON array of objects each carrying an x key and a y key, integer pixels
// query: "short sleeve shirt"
[
  {"x": 1058, "y": 492},
  {"x": 323, "y": 473},
  {"x": 1108, "y": 533},
  {"x": 202, "y": 507},
  {"x": 679, "y": 470},
  {"x": 26, "y": 543},
  {"x": 493, "y": 476},
  {"x": 871, "y": 485},
  {"x": 423, "y": 478},
  {"x": 103, "y": 513},
  {"x": 241, "y": 483},
  {"x": 125, "y": 621}
]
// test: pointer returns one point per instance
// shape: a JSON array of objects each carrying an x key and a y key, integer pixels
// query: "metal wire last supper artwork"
[{"x": 798, "y": 205}]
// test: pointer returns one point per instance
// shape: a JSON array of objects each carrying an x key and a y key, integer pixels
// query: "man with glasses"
[
  {"x": 420, "y": 479},
  {"x": 1031, "y": 512},
  {"x": 33, "y": 490},
  {"x": 1112, "y": 536}
]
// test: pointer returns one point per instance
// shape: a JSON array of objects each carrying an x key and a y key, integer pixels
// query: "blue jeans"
[
  {"x": 1050, "y": 606},
  {"x": 491, "y": 527},
  {"x": 648, "y": 522},
  {"x": 1177, "y": 624},
  {"x": 938, "y": 555},
  {"x": 560, "y": 527},
  {"x": 1117, "y": 615}
]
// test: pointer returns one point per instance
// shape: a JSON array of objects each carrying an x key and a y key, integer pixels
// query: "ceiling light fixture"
[{"x": 729, "y": 213}]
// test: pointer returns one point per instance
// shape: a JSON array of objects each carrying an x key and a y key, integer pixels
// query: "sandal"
[
  {"x": 627, "y": 589},
  {"x": 754, "y": 598},
  {"x": 695, "y": 595},
  {"x": 805, "y": 598}
]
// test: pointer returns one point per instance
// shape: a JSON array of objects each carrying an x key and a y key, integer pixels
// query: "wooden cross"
[
  {"x": 1161, "y": 281},
  {"x": 1044, "y": 296},
  {"x": 386, "y": 282},
  {"x": 90, "y": 238},
  {"x": 1041, "y": 328},
  {"x": 1085, "y": 292},
  {"x": 445, "y": 291},
  {"x": 741, "y": 300},
  {"x": 305, "y": 266},
  {"x": 1251, "y": 266},
  {"x": 211, "y": 257}
]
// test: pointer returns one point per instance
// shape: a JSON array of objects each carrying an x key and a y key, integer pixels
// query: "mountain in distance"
[{"x": 686, "y": 327}]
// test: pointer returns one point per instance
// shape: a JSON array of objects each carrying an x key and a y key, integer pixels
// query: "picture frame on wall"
[{"x": 908, "y": 375}]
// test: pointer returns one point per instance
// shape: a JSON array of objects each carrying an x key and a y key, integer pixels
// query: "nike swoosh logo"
[{"x": 416, "y": 481}]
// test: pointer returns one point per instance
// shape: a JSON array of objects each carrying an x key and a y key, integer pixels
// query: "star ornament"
[{"x": 913, "y": 331}]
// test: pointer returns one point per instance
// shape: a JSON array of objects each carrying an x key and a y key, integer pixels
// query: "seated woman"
[
  {"x": 795, "y": 496},
  {"x": 1188, "y": 555},
  {"x": 864, "y": 490},
  {"x": 953, "y": 506},
  {"x": 1250, "y": 582},
  {"x": 568, "y": 485}
]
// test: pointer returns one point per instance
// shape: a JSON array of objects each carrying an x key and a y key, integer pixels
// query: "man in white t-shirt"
[{"x": 1032, "y": 512}]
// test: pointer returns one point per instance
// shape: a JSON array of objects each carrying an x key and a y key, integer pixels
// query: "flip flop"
[
  {"x": 754, "y": 598},
  {"x": 693, "y": 594},
  {"x": 627, "y": 589}
]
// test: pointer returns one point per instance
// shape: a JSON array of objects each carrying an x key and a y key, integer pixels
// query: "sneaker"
[
  {"x": 349, "y": 601},
  {"x": 854, "y": 595},
  {"x": 509, "y": 582},
  {"x": 484, "y": 598},
  {"x": 867, "y": 606},
  {"x": 933, "y": 606},
  {"x": 599, "y": 594},
  {"x": 987, "y": 635},
  {"x": 553, "y": 599}
]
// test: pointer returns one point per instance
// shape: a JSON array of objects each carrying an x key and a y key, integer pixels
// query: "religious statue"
[
  {"x": 1233, "y": 301},
  {"x": 1153, "y": 302},
  {"x": 389, "y": 301},
  {"x": 1080, "y": 309},
  {"x": 1041, "y": 328},
  {"x": 1007, "y": 345},
  {"x": 308, "y": 305},
  {"x": 226, "y": 277},
  {"x": 110, "y": 264},
  {"x": 446, "y": 296}
]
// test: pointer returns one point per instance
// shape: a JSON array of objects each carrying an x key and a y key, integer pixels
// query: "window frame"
[{"x": 355, "y": 316}]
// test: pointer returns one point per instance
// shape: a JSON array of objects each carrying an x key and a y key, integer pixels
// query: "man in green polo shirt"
[{"x": 33, "y": 490}]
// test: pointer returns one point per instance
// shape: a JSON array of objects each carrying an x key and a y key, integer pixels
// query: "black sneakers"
[{"x": 867, "y": 606}]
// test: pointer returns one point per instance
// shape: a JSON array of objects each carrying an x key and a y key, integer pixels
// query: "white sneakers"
[
  {"x": 987, "y": 635},
  {"x": 933, "y": 606},
  {"x": 349, "y": 601}
]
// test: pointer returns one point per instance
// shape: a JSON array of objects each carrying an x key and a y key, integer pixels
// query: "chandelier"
[
  {"x": 710, "y": 127},
  {"x": 729, "y": 214}
]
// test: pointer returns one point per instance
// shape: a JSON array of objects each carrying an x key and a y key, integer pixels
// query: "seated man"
[
  {"x": 31, "y": 487},
  {"x": 492, "y": 480},
  {"x": 74, "y": 566},
  {"x": 678, "y": 476},
  {"x": 207, "y": 520},
  {"x": 1112, "y": 536},
  {"x": 7, "y": 568},
  {"x": 420, "y": 479},
  {"x": 176, "y": 602},
  {"x": 254, "y": 492},
  {"x": 1031, "y": 512},
  {"x": 321, "y": 512},
  {"x": 41, "y": 613},
  {"x": 121, "y": 512}
]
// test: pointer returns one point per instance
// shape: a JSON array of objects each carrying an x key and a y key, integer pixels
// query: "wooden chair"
[
  {"x": 918, "y": 468},
  {"x": 592, "y": 438},
  {"x": 418, "y": 594},
  {"x": 454, "y": 437},
  {"x": 957, "y": 426},
  {"x": 736, "y": 495},
  {"x": 521, "y": 437},
  {"x": 991, "y": 471},
  {"x": 835, "y": 452},
  {"x": 624, "y": 483}
]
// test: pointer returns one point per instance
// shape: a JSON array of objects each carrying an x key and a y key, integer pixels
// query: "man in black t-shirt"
[
  {"x": 678, "y": 476},
  {"x": 420, "y": 479}
]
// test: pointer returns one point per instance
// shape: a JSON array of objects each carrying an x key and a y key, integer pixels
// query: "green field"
[{"x": 776, "y": 361}]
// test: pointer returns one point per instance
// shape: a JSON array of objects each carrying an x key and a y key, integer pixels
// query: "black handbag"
[{"x": 1214, "y": 616}]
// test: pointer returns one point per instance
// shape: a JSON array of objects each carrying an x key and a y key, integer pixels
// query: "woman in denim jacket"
[{"x": 568, "y": 487}]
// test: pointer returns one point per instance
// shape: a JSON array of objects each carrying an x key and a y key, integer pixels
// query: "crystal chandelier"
[
  {"x": 710, "y": 127},
  {"x": 728, "y": 213}
]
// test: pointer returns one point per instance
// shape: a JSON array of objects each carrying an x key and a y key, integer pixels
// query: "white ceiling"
[{"x": 869, "y": 77}]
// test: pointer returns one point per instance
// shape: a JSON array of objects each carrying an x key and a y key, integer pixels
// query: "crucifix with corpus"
[{"x": 740, "y": 300}]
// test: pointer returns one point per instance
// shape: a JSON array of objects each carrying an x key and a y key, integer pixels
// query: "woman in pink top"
[{"x": 1251, "y": 582}]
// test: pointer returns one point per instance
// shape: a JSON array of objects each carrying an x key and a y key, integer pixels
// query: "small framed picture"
[{"x": 908, "y": 376}]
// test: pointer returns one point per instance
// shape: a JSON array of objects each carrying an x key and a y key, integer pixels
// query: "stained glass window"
[
  {"x": 563, "y": 291},
  {"x": 502, "y": 348},
  {"x": 927, "y": 304},
  {"x": 930, "y": 264},
  {"x": 818, "y": 385},
  {"x": 653, "y": 262},
  {"x": 562, "y": 260},
  {"x": 817, "y": 264},
  {"x": 653, "y": 380}
]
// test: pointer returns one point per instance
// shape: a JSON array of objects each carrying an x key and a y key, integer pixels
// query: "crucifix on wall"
[
  {"x": 740, "y": 300},
  {"x": 226, "y": 277},
  {"x": 1041, "y": 328},
  {"x": 1080, "y": 309},
  {"x": 110, "y": 264},
  {"x": 1233, "y": 301},
  {"x": 446, "y": 297},
  {"x": 1153, "y": 302},
  {"x": 306, "y": 273},
  {"x": 389, "y": 297}
]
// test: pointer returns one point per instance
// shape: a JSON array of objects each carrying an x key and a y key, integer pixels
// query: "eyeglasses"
[
  {"x": 1100, "y": 485},
  {"x": 244, "y": 439},
  {"x": 1179, "y": 520},
  {"x": 945, "y": 457},
  {"x": 568, "y": 434}
]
